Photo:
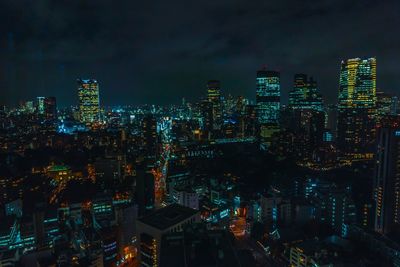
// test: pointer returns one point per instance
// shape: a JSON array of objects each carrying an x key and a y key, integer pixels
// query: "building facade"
[
  {"x": 268, "y": 96},
  {"x": 387, "y": 178},
  {"x": 89, "y": 100},
  {"x": 357, "y": 108}
]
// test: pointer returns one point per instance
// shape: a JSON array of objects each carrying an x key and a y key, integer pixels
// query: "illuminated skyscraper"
[
  {"x": 357, "y": 86},
  {"x": 386, "y": 104},
  {"x": 214, "y": 91},
  {"x": 40, "y": 105},
  {"x": 357, "y": 108},
  {"x": 46, "y": 107},
  {"x": 304, "y": 94},
  {"x": 214, "y": 97},
  {"x": 307, "y": 116},
  {"x": 268, "y": 96},
  {"x": 89, "y": 101},
  {"x": 387, "y": 177}
]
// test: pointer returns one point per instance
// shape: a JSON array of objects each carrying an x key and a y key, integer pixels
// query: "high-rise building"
[
  {"x": 214, "y": 97},
  {"x": 386, "y": 104},
  {"x": 250, "y": 121},
  {"x": 206, "y": 110},
  {"x": 268, "y": 96},
  {"x": 339, "y": 211},
  {"x": 152, "y": 227},
  {"x": 40, "y": 105},
  {"x": 305, "y": 115},
  {"x": 387, "y": 177},
  {"x": 89, "y": 100},
  {"x": 309, "y": 128},
  {"x": 214, "y": 91},
  {"x": 145, "y": 187},
  {"x": 50, "y": 108},
  {"x": 149, "y": 131},
  {"x": 357, "y": 108},
  {"x": 304, "y": 94},
  {"x": 357, "y": 86},
  {"x": 46, "y": 107},
  {"x": 27, "y": 107}
]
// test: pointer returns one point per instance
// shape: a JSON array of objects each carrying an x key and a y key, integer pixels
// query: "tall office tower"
[
  {"x": 306, "y": 115},
  {"x": 27, "y": 107},
  {"x": 145, "y": 186},
  {"x": 387, "y": 176},
  {"x": 250, "y": 121},
  {"x": 149, "y": 131},
  {"x": 304, "y": 94},
  {"x": 268, "y": 96},
  {"x": 214, "y": 97},
  {"x": 386, "y": 104},
  {"x": 207, "y": 118},
  {"x": 357, "y": 108},
  {"x": 240, "y": 106},
  {"x": 46, "y": 107},
  {"x": 40, "y": 105},
  {"x": 50, "y": 108},
  {"x": 332, "y": 113},
  {"x": 228, "y": 105},
  {"x": 151, "y": 228},
  {"x": 89, "y": 100},
  {"x": 214, "y": 91},
  {"x": 395, "y": 105}
]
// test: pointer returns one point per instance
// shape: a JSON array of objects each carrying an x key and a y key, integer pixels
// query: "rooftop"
[
  {"x": 197, "y": 246},
  {"x": 57, "y": 168},
  {"x": 169, "y": 216}
]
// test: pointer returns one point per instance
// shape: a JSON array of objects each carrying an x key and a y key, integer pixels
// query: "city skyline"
[
  {"x": 285, "y": 96},
  {"x": 137, "y": 60},
  {"x": 256, "y": 133}
]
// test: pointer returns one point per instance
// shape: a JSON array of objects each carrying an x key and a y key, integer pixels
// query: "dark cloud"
[{"x": 159, "y": 51}]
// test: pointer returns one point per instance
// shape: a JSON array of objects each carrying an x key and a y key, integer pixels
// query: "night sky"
[{"x": 159, "y": 51}]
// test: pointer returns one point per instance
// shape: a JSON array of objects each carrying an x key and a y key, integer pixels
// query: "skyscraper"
[
  {"x": 214, "y": 97},
  {"x": 40, "y": 105},
  {"x": 149, "y": 131},
  {"x": 213, "y": 90},
  {"x": 304, "y": 94},
  {"x": 268, "y": 96},
  {"x": 206, "y": 109},
  {"x": 89, "y": 101},
  {"x": 306, "y": 115},
  {"x": 46, "y": 107},
  {"x": 357, "y": 86},
  {"x": 50, "y": 107},
  {"x": 357, "y": 108},
  {"x": 387, "y": 177}
]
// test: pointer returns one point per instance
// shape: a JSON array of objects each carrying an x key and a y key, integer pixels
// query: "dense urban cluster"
[{"x": 222, "y": 181}]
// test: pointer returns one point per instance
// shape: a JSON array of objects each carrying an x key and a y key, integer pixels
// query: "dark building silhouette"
[{"x": 387, "y": 177}]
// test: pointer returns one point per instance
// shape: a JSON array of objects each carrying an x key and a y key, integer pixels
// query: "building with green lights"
[
  {"x": 268, "y": 96},
  {"x": 305, "y": 116},
  {"x": 304, "y": 94}
]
